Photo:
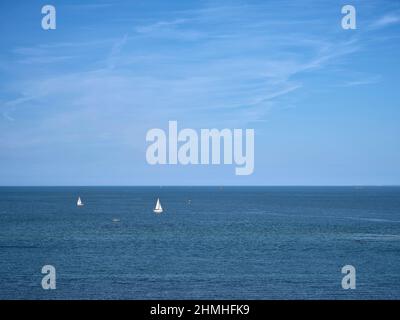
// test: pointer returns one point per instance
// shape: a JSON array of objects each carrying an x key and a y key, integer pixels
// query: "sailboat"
[
  {"x": 79, "y": 203},
  {"x": 158, "y": 208}
]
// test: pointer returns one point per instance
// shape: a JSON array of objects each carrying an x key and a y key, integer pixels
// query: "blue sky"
[{"x": 76, "y": 102}]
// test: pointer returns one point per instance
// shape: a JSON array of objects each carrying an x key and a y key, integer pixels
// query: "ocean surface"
[{"x": 225, "y": 243}]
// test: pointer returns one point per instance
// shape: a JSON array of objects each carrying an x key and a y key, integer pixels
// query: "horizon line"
[{"x": 214, "y": 185}]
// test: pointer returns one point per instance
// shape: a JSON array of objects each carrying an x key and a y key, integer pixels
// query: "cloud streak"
[
  {"x": 183, "y": 67},
  {"x": 385, "y": 21}
]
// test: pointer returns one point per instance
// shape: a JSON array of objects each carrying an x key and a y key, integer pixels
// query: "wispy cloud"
[
  {"x": 159, "y": 25},
  {"x": 116, "y": 50},
  {"x": 88, "y": 6},
  {"x": 210, "y": 65},
  {"x": 363, "y": 81},
  {"x": 45, "y": 59},
  {"x": 386, "y": 20}
]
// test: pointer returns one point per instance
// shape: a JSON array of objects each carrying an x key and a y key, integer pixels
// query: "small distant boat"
[
  {"x": 158, "y": 208},
  {"x": 79, "y": 203},
  {"x": 116, "y": 220}
]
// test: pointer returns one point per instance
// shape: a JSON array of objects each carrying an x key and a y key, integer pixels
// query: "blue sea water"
[{"x": 226, "y": 243}]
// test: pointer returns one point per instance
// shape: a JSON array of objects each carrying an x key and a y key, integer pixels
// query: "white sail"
[
  {"x": 158, "y": 208},
  {"x": 79, "y": 203}
]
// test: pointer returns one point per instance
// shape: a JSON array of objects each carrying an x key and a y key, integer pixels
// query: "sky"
[{"x": 76, "y": 102}]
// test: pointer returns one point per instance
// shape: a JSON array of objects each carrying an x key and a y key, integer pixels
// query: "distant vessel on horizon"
[
  {"x": 79, "y": 203},
  {"x": 158, "y": 208}
]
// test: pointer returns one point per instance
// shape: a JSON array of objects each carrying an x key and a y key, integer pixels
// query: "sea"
[{"x": 209, "y": 243}]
